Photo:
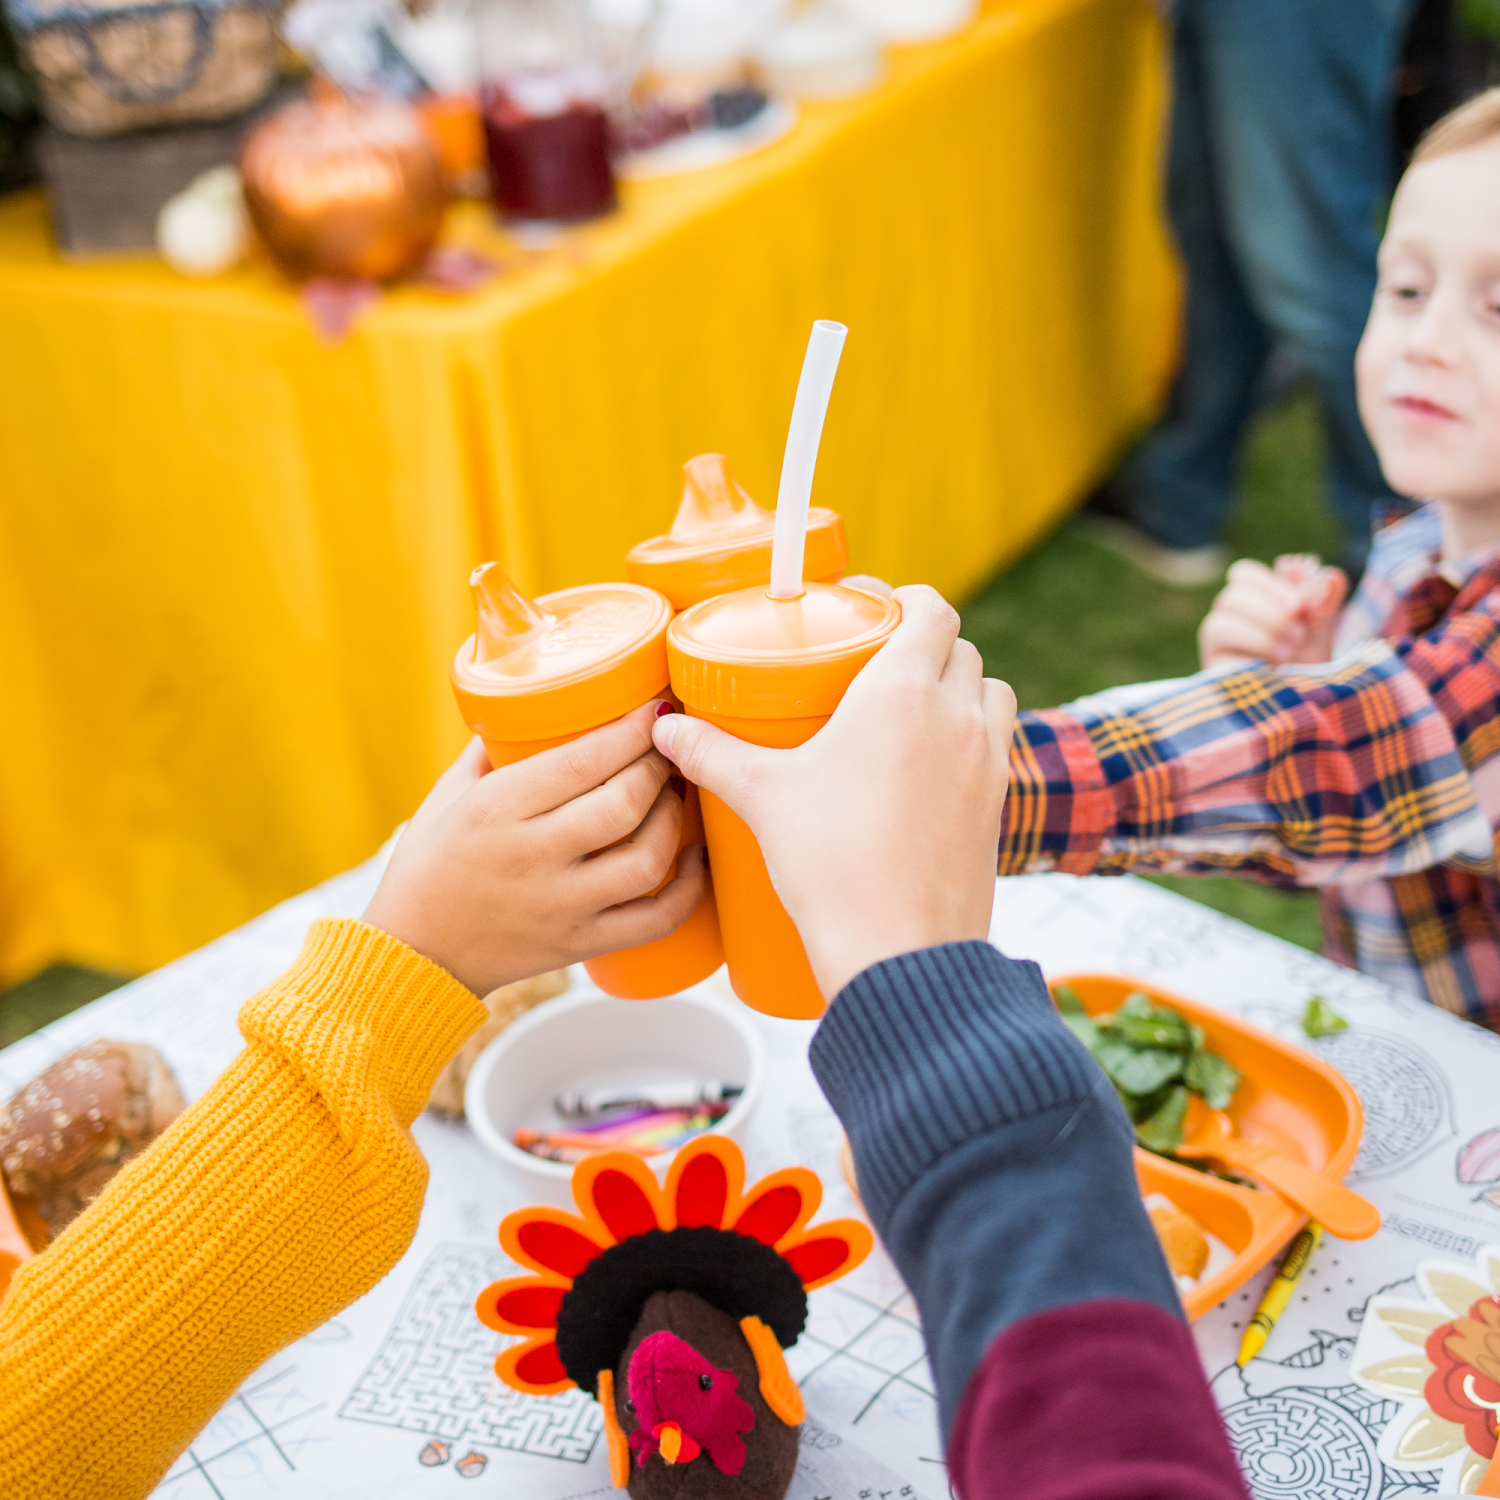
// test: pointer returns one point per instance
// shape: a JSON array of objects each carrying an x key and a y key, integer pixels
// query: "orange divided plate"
[{"x": 1289, "y": 1100}]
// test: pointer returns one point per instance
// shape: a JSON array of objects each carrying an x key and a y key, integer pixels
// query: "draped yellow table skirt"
[{"x": 233, "y": 561}]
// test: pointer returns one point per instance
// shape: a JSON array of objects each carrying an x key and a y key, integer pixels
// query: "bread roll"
[{"x": 72, "y": 1128}]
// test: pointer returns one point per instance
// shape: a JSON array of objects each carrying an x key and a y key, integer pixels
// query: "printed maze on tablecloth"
[
  {"x": 1298, "y": 1443},
  {"x": 1312, "y": 1432},
  {"x": 1402, "y": 1090},
  {"x": 1405, "y": 1098},
  {"x": 435, "y": 1371}
]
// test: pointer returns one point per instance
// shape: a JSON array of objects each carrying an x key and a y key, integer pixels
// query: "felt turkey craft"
[{"x": 671, "y": 1305}]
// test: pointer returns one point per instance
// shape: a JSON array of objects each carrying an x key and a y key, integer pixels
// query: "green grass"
[
  {"x": 49, "y": 995},
  {"x": 1071, "y": 618}
]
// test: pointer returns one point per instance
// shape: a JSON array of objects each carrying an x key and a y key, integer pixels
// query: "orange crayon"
[{"x": 567, "y": 1140}]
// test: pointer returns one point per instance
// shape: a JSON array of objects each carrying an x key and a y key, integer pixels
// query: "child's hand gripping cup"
[
  {"x": 540, "y": 672},
  {"x": 770, "y": 671}
]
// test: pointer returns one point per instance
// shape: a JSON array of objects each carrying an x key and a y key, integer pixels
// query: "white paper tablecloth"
[{"x": 351, "y": 1409}]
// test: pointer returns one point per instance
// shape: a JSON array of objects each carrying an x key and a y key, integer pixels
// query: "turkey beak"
[
  {"x": 671, "y": 1442},
  {"x": 674, "y": 1445}
]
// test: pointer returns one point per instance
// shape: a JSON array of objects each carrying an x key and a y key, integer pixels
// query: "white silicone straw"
[{"x": 819, "y": 365}]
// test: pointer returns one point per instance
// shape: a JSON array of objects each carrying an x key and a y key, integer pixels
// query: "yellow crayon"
[{"x": 1279, "y": 1293}]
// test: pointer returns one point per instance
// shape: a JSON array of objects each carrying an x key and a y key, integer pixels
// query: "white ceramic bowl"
[{"x": 588, "y": 1040}]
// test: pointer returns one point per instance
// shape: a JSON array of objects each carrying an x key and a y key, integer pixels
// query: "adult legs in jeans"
[{"x": 1276, "y": 176}]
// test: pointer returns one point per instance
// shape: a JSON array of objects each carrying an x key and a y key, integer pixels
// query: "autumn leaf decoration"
[{"x": 1441, "y": 1356}]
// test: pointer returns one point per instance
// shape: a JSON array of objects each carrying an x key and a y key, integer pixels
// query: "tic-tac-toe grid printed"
[
  {"x": 860, "y": 1358},
  {"x": 255, "y": 1439}
]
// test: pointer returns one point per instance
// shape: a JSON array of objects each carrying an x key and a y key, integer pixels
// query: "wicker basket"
[{"x": 105, "y": 68}]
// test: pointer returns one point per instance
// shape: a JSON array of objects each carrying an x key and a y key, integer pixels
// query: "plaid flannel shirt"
[{"x": 1374, "y": 777}]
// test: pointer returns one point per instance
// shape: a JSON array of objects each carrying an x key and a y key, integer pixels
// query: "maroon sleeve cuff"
[{"x": 1100, "y": 1400}]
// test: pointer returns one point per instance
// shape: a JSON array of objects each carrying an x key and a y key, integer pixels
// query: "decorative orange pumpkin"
[{"x": 341, "y": 186}]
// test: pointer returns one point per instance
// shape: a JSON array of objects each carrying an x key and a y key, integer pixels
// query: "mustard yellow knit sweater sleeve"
[{"x": 288, "y": 1190}]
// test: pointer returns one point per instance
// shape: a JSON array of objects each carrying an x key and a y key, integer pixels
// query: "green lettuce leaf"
[
  {"x": 1154, "y": 1028},
  {"x": 1321, "y": 1019},
  {"x": 1135, "y": 1070},
  {"x": 1208, "y": 1074},
  {"x": 1065, "y": 997},
  {"x": 1162, "y": 1130}
]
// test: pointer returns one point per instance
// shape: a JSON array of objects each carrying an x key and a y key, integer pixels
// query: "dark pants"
[{"x": 1277, "y": 177}]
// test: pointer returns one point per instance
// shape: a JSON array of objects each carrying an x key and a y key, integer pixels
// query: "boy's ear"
[
  {"x": 619, "y": 1448},
  {"x": 777, "y": 1387}
]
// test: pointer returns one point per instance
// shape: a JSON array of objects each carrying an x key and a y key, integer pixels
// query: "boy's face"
[{"x": 1428, "y": 366}]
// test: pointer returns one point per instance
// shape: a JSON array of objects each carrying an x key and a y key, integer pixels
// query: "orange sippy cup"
[
  {"x": 539, "y": 672},
  {"x": 770, "y": 671},
  {"x": 721, "y": 540}
]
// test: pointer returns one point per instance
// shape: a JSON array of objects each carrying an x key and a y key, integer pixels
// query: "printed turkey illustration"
[{"x": 672, "y": 1306}]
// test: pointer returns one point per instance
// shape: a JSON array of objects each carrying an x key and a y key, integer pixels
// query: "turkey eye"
[
  {"x": 630, "y": 1406},
  {"x": 705, "y": 1382}
]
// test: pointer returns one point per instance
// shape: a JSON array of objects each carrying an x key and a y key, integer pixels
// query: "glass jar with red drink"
[{"x": 543, "y": 88}]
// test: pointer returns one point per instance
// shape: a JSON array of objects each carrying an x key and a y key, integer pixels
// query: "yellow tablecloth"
[{"x": 233, "y": 562}]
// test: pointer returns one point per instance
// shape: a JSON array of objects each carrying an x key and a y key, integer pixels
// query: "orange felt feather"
[
  {"x": 777, "y": 1387},
  {"x": 619, "y": 1447}
]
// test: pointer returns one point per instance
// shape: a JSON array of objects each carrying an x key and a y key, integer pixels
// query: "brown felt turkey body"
[{"x": 770, "y": 1446}]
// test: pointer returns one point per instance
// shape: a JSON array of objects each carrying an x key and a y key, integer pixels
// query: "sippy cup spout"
[
  {"x": 714, "y": 500},
  {"x": 507, "y": 619}
]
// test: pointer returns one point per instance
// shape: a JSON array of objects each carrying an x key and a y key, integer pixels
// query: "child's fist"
[
  {"x": 504, "y": 874},
  {"x": 1277, "y": 615}
]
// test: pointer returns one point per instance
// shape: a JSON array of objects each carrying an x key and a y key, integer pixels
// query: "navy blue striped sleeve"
[{"x": 993, "y": 1156}]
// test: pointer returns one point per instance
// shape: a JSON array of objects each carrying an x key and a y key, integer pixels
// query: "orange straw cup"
[
  {"x": 721, "y": 540},
  {"x": 770, "y": 671},
  {"x": 537, "y": 673}
]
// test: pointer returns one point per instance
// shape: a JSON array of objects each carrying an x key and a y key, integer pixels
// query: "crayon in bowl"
[
  {"x": 593, "y": 1104},
  {"x": 643, "y": 1132}
]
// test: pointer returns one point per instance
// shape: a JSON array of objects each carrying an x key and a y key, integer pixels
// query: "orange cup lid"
[
  {"x": 747, "y": 655},
  {"x": 559, "y": 664},
  {"x": 721, "y": 539}
]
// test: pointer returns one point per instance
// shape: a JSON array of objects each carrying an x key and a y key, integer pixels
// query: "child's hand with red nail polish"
[{"x": 504, "y": 874}]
